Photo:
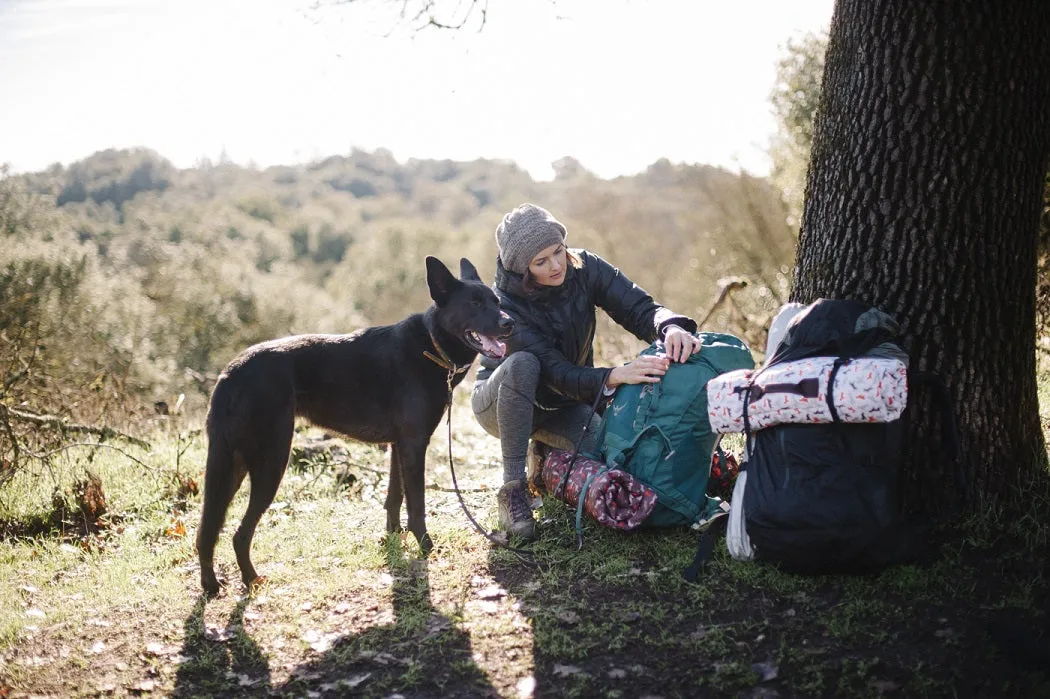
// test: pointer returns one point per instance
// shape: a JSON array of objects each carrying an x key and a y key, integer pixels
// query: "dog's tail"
[{"x": 221, "y": 478}]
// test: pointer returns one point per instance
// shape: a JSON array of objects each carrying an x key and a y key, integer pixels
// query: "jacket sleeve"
[
  {"x": 581, "y": 383},
  {"x": 629, "y": 304}
]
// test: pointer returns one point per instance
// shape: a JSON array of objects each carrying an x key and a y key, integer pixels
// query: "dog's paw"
[
  {"x": 256, "y": 584},
  {"x": 212, "y": 586},
  {"x": 426, "y": 544}
]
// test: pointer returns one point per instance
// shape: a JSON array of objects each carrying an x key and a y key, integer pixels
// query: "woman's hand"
[
  {"x": 680, "y": 343},
  {"x": 648, "y": 369}
]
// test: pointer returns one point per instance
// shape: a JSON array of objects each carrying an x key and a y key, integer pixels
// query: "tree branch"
[
  {"x": 72, "y": 427},
  {"x": 46, "y": 454}
]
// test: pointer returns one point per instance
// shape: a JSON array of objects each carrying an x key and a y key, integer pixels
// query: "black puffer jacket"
[{"x": 557, "y": 325}]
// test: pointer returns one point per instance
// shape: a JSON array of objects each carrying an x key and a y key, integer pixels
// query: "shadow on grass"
[
  {"x": 617, "y": 618},
  {"x": 420, "y": 654},
  {"x": 220, "y": 662}
]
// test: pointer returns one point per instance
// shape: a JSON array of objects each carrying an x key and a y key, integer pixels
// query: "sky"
[{"x": 616, "y": 84}]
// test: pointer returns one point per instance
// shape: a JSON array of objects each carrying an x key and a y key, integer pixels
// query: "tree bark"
[{"x": 923, "y": 198}]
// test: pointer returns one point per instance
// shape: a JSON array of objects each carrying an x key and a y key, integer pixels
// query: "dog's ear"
[
  {"x": 467, "y": 270},
  {"x": 440, "y": 280}
]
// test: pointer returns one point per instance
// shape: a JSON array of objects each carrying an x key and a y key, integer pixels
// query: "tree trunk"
[{"x": 924, "y": 197}]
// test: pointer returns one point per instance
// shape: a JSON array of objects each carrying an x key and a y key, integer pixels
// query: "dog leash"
[
  {"x": 560, "y": 488},
  {"x": 523, "y": 555}
]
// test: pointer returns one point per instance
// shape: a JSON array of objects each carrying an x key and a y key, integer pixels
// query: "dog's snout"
[{"x": 505, "y": 321}]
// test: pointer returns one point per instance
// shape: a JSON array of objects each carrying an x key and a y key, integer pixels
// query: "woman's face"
[{"x": 548, "y": 267}]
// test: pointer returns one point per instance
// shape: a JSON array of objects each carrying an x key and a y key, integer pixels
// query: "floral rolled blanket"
[
  {"x": 866, "y": 389},
  {"x": 613, "y": 497}
]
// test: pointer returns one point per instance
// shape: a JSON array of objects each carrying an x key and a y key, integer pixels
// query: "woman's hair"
[{"x": 529, "y": 283}]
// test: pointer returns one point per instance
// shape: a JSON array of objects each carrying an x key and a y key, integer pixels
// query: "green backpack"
[{"x": 660, "y": 434}]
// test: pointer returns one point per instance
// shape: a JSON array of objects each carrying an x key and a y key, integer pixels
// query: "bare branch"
[
  {"x": 72, "y": 427},
  {"x": 728, "y": 286},
  {"x": 43, "y": 456},
  {"x": 424, "y": 14}
]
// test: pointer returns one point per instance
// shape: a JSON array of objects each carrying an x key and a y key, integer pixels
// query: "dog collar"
[{"x": 442, "y": 359}]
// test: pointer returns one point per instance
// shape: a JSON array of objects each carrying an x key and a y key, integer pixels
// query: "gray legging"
[{"x": 504, "y": 405}]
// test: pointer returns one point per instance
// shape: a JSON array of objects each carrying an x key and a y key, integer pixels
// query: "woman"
[{"x": 544, "y": 386}]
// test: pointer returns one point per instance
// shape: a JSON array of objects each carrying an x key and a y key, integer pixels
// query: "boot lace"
[{"x": 519, "y": 505}]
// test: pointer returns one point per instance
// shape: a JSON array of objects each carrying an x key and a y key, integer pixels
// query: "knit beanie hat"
[{"x": 524, "y": 233}]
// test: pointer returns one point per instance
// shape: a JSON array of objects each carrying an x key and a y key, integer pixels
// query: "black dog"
[{"x": 386, "y": 384}]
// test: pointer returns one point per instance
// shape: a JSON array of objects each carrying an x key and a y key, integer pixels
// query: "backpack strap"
[
  {"x": 839, "y": 363},
  {"x": 559, "y": 491},
  {"x": 705, "y": 546},
  {"x": 579, "y": 505}
]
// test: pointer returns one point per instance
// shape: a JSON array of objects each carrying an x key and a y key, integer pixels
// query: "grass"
[{"x": 117, "y": 610}]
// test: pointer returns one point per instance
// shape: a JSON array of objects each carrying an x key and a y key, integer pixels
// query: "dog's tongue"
[{"x": 492, "y": 346}]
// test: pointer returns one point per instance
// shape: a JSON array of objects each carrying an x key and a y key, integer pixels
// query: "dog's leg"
[
  {"x": 270, "y": 460},
  {"x": 395, "y": 492},
  {"x": 223, "y": 475},
  {"x": 412, "y": 453}
]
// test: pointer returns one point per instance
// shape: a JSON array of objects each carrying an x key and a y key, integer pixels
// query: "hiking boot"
[
  {"x": 515, "y": 514},
  {"x": 534, "y": 466}
]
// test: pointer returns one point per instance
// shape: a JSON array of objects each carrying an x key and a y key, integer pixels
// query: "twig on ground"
[{"x": 442, "y": 489}]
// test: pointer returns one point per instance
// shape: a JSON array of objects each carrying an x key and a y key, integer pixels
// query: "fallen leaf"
[
  {"x": 885, "y": 686},
  {"x": 492, "y": 592},
  {"x": 345, "y": 684},
  {"x": 98, "y": 647},
  {"x": 175, "y": 530},
  {"x": 526, "y": 687},
  {"x": 617, "y": 673},
  {"x": 306, "y": 606},
  {"x": 486, "y": 606},
  {"x": 436, "y": 624},
  {"x": 159, "y": 649},
  {"x": 214, "y": 633},
  {"x": 766, "y": 671},
  {"x": 35, "y": 613},
  {"x": 381, "y": 658},
  {"x": 567, "y": 616},
  {"x": 321, "y": 642},
  {"x": 144, "y": 686},
  {"x": 566, "y": 670},
  {"x": 342, "y": 608},
  {"x": 632, "y": 616},
  {"x": 28, "y": 589}
]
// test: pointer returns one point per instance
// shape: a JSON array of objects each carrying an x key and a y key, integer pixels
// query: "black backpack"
[{"x": 822, "y": 498}]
